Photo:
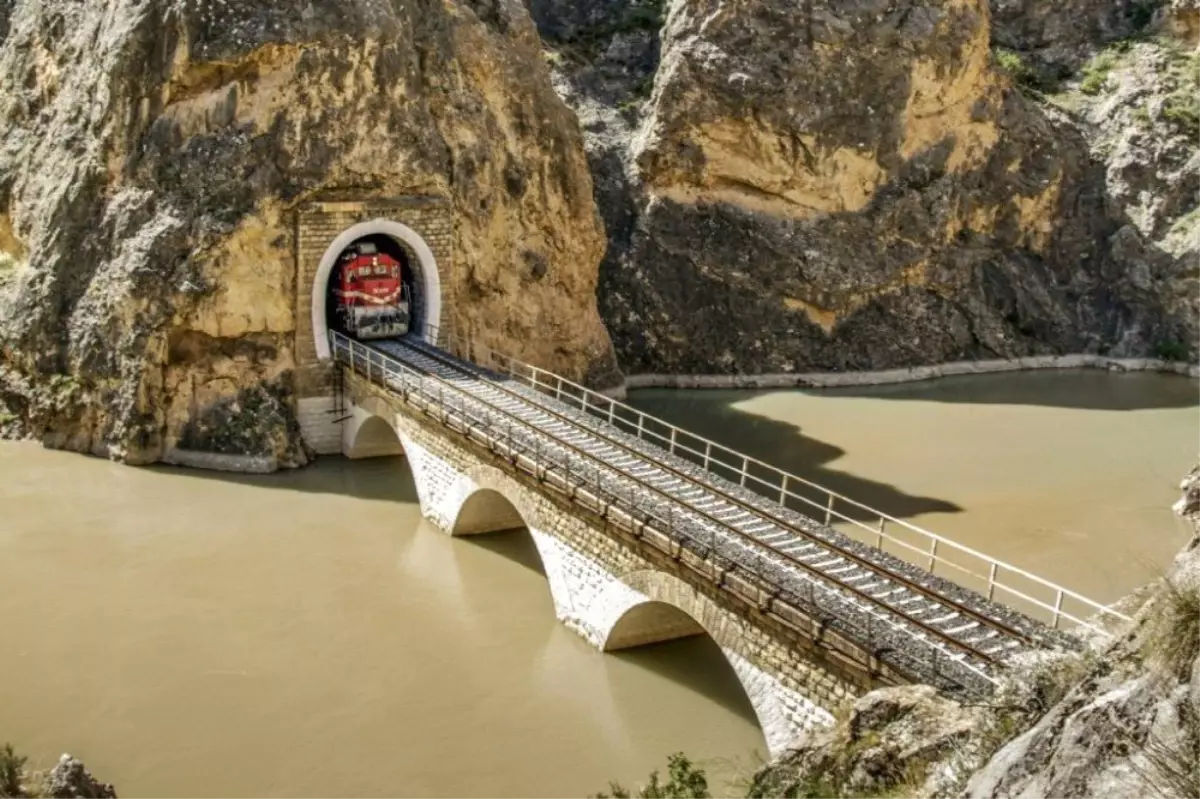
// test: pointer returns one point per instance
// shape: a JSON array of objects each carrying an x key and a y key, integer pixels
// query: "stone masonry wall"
[{"x": 599, "y": 578}]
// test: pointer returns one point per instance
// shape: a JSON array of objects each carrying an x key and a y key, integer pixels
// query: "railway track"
[
  {"x": 707, "y": 512},
  {"x": 792, "y": 533}
]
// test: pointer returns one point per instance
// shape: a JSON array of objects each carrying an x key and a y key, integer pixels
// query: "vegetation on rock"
[{"x": 69, "y": 779}]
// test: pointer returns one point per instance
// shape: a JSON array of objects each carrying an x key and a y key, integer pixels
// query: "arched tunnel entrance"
[{"x": 377, "y": 280}]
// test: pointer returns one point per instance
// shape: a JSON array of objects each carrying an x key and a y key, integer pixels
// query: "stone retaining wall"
[
  {"x": 221, "y": 462},
  {"x": 906, "y": 375}
]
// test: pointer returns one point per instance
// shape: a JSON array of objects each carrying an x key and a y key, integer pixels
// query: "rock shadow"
[
  {"x": 387, "y": 479},
  {"x": 1085, "y": 389},
  {"x": 784, "y": 446}
]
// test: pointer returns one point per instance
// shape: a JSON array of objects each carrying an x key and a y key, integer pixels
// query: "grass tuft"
[
  {"x": 1095, "y": 74},
  {"x": 1173, "y": 642}
]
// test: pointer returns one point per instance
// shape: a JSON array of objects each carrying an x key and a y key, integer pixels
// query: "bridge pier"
[{"x": 608, "y": 590}]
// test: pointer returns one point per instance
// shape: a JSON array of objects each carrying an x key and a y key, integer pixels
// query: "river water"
[
  {"x": 307, "y": 634},
  {"x": 1068, "y": 474}
]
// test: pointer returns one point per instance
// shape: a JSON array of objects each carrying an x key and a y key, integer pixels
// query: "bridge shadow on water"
[
  {"x": 695, "y": 663},
  {"x": 1084, "y": 389},
  {"x": 514, "y": 545},
  {"x": 388, "y": 479},
  {"x": 712, "y": 413}
]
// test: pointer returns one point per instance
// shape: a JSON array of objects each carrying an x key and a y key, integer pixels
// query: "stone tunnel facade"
[
  {"x": 609, "y": 589},
  {"x": 428, "y": 223}
]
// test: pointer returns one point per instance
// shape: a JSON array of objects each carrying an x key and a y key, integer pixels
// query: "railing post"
[
  {"x": 932, "y": 554},
  {"x": 829, "y": 509},
  {"x": 672, "y": 449},
  {"x": 707, "y": 454},
  {"x": 1058, "y": 600},
  {"x": 641, "y": 425},
  {"x": 783, "y": 491},
  {"x": 745, "y": 471},
  {"x": 879, "y": 537},
  {"x": 991, "y": 582},
  {"x": 612, "y": 409}
]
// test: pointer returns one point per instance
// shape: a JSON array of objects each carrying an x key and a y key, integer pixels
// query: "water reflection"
[{"x": 309, "y": 634}]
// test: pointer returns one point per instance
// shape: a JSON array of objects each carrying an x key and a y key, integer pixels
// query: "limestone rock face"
[
  {"x": 834, "y": 185},
  {"x": 152, "y": 153}
]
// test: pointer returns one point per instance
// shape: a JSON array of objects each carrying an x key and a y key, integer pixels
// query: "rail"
[
  {"x": 819, "y": 596},
  {"x": 762, "y": 510},
  {"x": 995, "y": 579}
]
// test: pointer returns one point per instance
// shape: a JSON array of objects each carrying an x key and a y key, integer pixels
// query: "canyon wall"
[
  {"x": 837, "y": 186},
  {"x": 152, "y": 153}
]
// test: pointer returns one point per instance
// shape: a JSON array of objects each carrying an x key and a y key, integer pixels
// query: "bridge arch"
[
  {"x": 371, "y": 431},
  {"x": 649, "y": 606},
  {"x": 429, "y": 283}
]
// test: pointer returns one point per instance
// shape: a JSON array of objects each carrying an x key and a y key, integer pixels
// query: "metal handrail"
[
  {"x": 762, "y": 509},
  {"x": 642, "y": 426},
  {"x": 387, "y": 372}
]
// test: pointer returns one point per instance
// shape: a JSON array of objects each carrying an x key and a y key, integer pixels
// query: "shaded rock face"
[
  {"x": 1143, "y": 126},
  {"x": 1062, "y": 34},
  {"x": 852, "y": 186},
  {"x": 151, "y": 154}
]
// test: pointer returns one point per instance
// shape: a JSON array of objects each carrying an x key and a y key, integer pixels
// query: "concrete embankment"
[{"x": 905, "y": 375}]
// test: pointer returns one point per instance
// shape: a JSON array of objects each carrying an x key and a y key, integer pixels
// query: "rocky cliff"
[
  {"x": 819, "y": 185},
  {"x": 152, "y": 153}
]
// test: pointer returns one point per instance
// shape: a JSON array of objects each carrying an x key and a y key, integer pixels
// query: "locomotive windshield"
[{"x": 369, "y": 297}]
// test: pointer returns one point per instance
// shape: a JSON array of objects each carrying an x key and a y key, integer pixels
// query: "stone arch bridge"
[{"x": 646, "y": 532}]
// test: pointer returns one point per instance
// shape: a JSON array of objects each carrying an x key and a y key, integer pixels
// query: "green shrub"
[
  {"x": 1171, "y": 351},
  {"x": 1095, "y": 74},
  {"x": 12, "y": 769},
  {"x": 1184, "y": 115},
  {"x": 686, "y": 782},
  {"x": 1014, "y": 65},
  {"x": 1038, "y": 78}
]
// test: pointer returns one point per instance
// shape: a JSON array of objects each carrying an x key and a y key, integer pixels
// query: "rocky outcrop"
[
  {"x": 1063, "y": 34},
  {"x": 70, "y": 779},
  {"x": 151, "y": 154},
  {"x": 861, "y": 189}
]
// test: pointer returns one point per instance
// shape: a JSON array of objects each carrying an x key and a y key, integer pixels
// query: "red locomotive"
[{"x": 371, "y": 294}]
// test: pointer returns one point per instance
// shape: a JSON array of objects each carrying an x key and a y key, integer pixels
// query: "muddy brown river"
[{"x": 307, "y": 634}]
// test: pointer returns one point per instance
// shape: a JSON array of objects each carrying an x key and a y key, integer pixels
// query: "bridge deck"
[{"x": 907, "y": 612}]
